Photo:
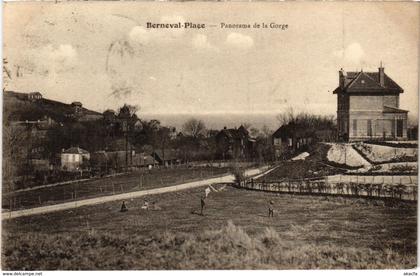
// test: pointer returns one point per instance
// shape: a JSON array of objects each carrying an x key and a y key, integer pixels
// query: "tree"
[
  {"x": 128, "y": 111},
  {"x": 306, "y": 119},
  {"x": 246, "y": 125},
  {"x": 16, "y": 148},
  {"x": 266, "y": 131},
  {"x": 287, "y": 116},
  {"x": 194, "y": 128},
  {"x": 7, "y": 74},
  {"x": 254, "y": 132}
]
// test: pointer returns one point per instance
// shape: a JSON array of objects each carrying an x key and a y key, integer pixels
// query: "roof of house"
[
  {"x": 368, "y": 82},
  {"x": 292, "y": 129},
  {"x": 76, "y": 150},
  {"x": 110, "y": 111},
  {"x": 166, "y": 154},
  {"x": 145, "y": 159},
  {"x": 389, "y": 109},
  {"x": 233, "y": 133}
]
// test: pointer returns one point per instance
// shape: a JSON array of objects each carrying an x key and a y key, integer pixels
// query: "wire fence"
[
  {"x": 335, "y": 186},
  {"x": 123, "y": 183}
]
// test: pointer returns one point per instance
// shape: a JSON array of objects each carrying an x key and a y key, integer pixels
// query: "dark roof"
[
  {"x": 76, "y": 150},
  {"x": 233, "y": 133},
  {"x": 145, "y": 159},
  {"x": 293, "y": 129},
  {"x": 76, "y": 103},
  {"x": 368, "y": 82},
  {"x": 169, "y": 154},
  {"x": 389, "y": 109},
  {"x": 109, "y": 111}
]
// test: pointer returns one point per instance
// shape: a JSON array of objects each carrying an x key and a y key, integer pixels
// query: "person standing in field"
[
  {"x": 123, "y": 207},
  {"x": 203, "y": 204},
  {"x": 271, "y": 209}
]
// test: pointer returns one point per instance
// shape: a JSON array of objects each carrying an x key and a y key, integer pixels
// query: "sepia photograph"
[{"x": 209, "y": 136}]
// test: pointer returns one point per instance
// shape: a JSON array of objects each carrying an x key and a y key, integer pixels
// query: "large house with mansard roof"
[{"x": 368, "y": 107}]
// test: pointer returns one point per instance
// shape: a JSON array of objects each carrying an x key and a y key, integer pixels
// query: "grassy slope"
[
  {"x": 306, "y": 232},
  {"x": 17, "y": 107},
  {"x": 315, "y": 165}
]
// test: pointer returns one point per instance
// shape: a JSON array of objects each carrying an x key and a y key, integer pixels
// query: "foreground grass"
[
  {"x": 228, "y": 248},
  {"x": 306, "y": 232}
]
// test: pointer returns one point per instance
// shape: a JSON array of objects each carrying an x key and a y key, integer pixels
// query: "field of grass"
[
  {"x": 135, "y": 181},
  {"x": 235, "y": 232}
]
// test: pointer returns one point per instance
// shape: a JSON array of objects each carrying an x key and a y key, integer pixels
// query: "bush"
[{"x": 402, "y": 168}]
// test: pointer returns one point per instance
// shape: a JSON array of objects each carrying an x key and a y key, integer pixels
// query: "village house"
[
  {"x": 73, "y": 159},
  {"x": 77, "y": 107},
  {"x": 109, "y": 116},
  {"x": 144, "y": 160},
  {"x": 291, "y": 138},
  {"x": 368, "y": 107},
  {"x": 234, "y": 143},
  {"x": 82, "y": 114},
  {"x": 165, "y": 157},
  {"x": 120, "y": 152},
  {"x": 33, "y": 96}
]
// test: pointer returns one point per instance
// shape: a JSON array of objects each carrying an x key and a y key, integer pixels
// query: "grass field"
[
  {"x": 235, "y": 232},
  {"x": 107, "y": 186}
]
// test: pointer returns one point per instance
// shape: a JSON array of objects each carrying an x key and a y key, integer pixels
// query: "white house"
[{"x": 73, "y": 158}]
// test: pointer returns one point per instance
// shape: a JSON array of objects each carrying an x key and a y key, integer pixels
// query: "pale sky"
[{"x": 102, "y": 55}]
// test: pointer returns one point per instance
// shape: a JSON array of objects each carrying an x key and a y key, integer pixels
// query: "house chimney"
[
  {"x": 342, "y": 78},
  {"x": 381, "y": 75}
]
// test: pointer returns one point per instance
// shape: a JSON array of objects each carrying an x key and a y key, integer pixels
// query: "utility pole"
[{"x": 125, "y": 129}]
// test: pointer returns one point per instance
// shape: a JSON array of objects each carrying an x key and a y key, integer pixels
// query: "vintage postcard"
[{"x": 206, "y": 135}]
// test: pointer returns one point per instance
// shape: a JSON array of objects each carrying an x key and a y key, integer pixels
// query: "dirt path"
[{"x": 125, "y": 196}]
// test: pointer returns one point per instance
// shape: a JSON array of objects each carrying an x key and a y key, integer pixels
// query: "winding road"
[{"x": 103, "y": 199}]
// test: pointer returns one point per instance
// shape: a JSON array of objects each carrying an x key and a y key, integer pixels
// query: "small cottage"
[{"x": 74, "y": 159}]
